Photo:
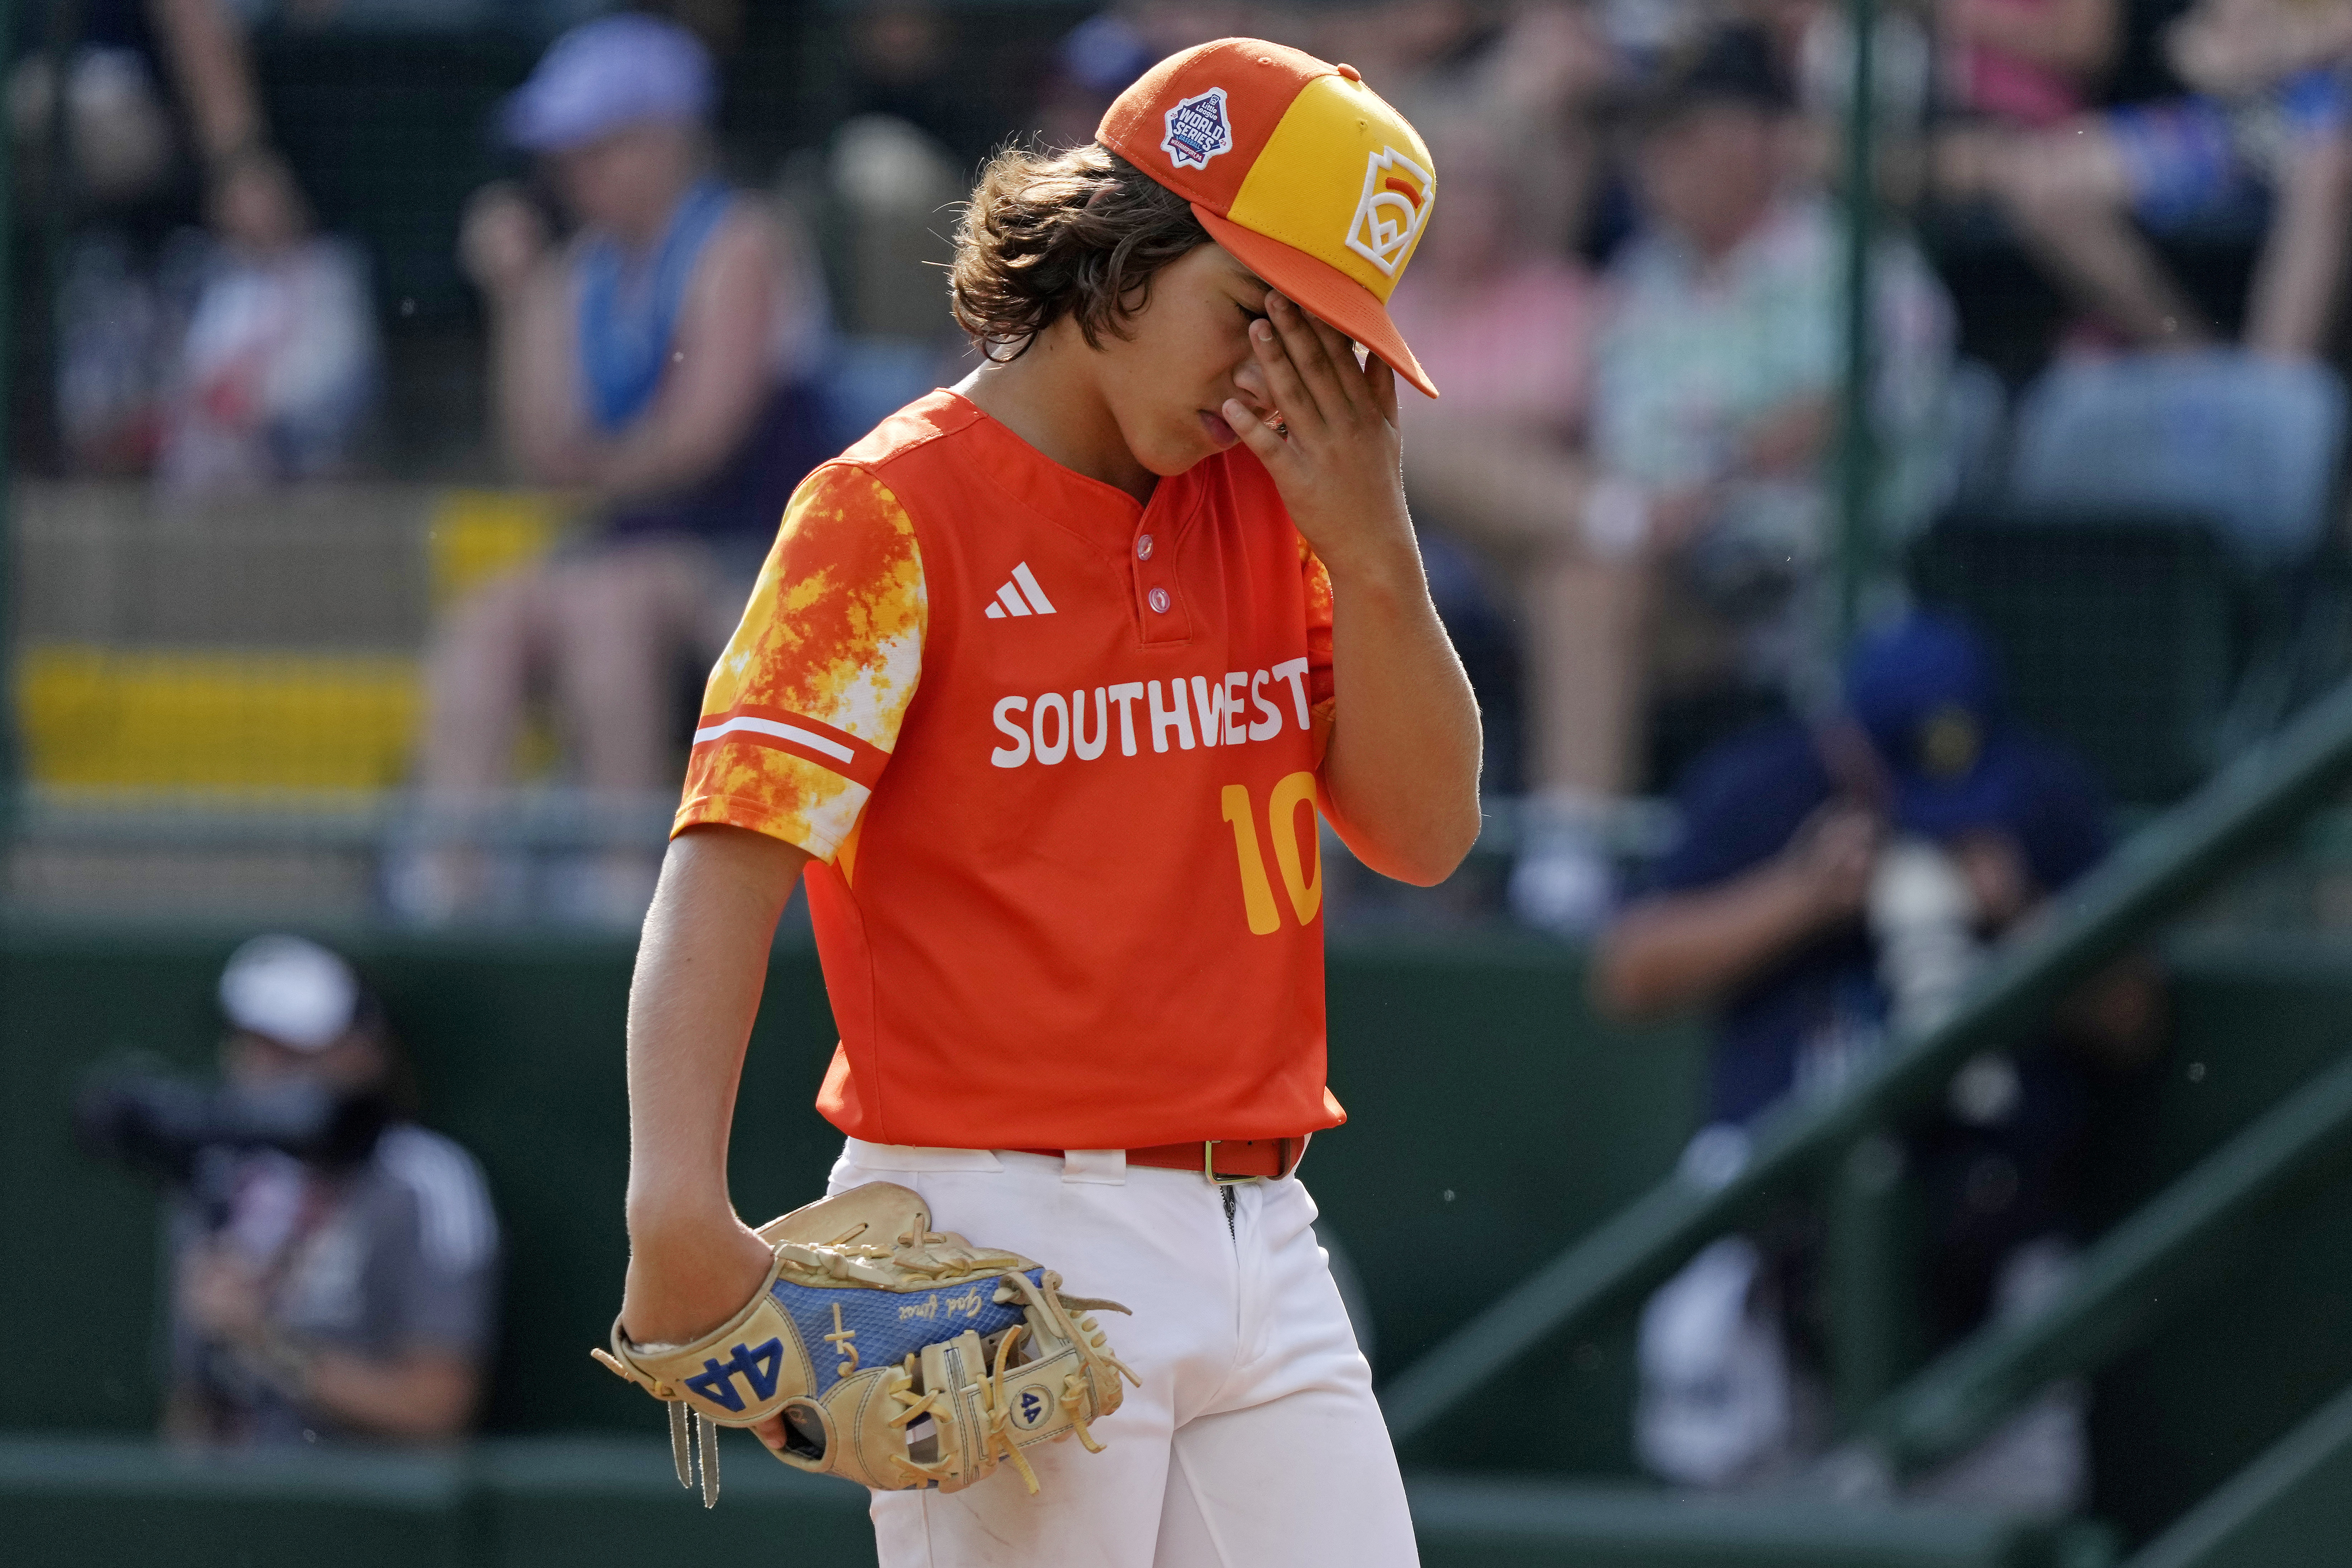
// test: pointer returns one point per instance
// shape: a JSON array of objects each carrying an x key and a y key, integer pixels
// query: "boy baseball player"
[{"x": 1043, "y": 688}]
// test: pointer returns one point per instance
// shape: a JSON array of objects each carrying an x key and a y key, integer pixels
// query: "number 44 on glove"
[{"x": 898, "y": 1356}]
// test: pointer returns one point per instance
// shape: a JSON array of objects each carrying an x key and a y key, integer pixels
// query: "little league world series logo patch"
[
  {"x": 1198, "y": 130},
  {"x": 1397, "y": 197}
]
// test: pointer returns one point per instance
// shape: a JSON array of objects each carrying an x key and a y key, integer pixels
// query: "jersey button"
[
  {"x": 1158, "y": 600},
  {"x": 1143, "y": 548}
]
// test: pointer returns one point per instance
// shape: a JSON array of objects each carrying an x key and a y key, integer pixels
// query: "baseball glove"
[{"x": 939, "y": 1359}]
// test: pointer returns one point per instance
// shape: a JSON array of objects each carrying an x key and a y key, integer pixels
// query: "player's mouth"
[{"x": 1221, "y": 435}]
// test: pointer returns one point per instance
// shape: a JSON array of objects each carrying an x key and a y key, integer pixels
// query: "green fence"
[
  {"x": 1494, "y": 1120},
  {"x": 1486, "y": 1104},
  {"x": 584, "y": 1502}
]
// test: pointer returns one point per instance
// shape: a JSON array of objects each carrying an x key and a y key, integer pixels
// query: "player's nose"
[{"x": 1250, "y": 382}]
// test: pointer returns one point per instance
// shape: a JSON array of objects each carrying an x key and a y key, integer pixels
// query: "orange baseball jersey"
[{"x": 1055, "y": 754}]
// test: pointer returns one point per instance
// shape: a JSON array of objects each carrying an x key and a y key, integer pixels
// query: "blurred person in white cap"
[
  {"x": 351, "y": 1290},
  {"x": 658, "y": 363}
]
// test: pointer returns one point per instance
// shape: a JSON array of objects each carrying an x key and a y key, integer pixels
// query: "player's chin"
[{"x": 1180, "y": 444}]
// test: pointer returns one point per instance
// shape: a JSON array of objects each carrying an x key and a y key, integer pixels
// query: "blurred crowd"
[
  {"x": 2097, "y": 224},
  {"x": 701, "y": 274}
]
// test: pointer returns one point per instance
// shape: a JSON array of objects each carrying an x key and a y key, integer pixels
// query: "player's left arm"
[{"x": 1401, "y": 776}]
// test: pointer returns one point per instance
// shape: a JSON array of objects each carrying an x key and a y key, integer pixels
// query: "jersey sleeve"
[
  {"x": 1322, "y": 690},
  {"x": 803, "y": 709}
]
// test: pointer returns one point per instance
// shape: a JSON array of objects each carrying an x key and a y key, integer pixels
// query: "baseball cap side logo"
[
  {"x": 1397, "y": 197},
  {"x": 1198, "y": 130}
]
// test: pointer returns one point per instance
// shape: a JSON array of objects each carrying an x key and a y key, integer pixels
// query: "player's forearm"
[
  {"x": 1400, "y": 779},
  {"x": 700, "y": 968}
]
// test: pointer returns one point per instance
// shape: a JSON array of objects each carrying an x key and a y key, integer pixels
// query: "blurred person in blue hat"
[
  {"x": 1835, "y": 882},
  {"x": 659, "y": 362}
]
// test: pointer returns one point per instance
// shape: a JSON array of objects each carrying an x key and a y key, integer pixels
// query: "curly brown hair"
[{"x": 1046, "y": 235}]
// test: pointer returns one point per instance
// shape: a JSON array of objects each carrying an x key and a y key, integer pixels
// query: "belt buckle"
[{"x": 1209, "y": 1167}]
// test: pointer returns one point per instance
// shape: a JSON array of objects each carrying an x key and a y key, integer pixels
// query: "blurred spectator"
[
  {"x": 1102, "y": 55},
  {"x": 2262, "y": 140},
  {"x": 1645, "y": 33},
  {"x": 903, "y": 59},
  {"x": 1093, "y": 64},
  {"x": 1831, "y": 884},
  {"x": 278, "y": 365},
  {"x": 2025, "y": 63},
  {"x": 1402, "y": 43},
  {"x": 659, "y": 362},
  {"x": 1496, "y": 465},
  {"x": 158, "y": 126},
  {"x": 327, "y": 1298},
  {"x": 1712, "y": 410},
  {"x": 892, "y": 183},
  {"x": 545, "y": 18}
]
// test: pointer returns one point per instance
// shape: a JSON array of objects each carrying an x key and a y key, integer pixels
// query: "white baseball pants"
[{"x": 1254, "y": 1441}]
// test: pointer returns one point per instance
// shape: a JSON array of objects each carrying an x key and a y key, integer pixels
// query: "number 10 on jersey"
[{"x": 1302, "y": 881}]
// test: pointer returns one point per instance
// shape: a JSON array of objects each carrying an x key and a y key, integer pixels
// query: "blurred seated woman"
[
  {"x": 657, "y": 362},
  {"x": 1497, "y": 468}
]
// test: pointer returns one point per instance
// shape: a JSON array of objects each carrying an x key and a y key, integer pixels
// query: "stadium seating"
[
  {"x": 245, "y": 647},
  {"x": 2159, "y": 567},
  {"x": 2251, "y": 443}
]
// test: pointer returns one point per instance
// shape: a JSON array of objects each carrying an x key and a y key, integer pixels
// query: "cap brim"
[{"x": 1322, "y": 290}]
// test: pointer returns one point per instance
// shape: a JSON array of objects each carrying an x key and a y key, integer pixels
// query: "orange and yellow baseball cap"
[{"x": 1297, "y": 167}]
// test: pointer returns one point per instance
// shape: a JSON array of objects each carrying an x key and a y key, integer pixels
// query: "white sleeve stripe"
[{"x": 792, "y": 732}]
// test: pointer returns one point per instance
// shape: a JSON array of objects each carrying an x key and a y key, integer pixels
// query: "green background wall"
[{"x": 1493, "y": 1119}]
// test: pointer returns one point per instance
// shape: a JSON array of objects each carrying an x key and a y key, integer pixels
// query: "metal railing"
[
  {"x": 534, "y": 817},
  {"x": 2119, "y": 1288},
  {"x": 2269, "y": 788},
  {"x": 2253, "y": 1517}
]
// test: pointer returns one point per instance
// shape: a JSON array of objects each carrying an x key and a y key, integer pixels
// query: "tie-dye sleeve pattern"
[{"x": 803, "y": 709}]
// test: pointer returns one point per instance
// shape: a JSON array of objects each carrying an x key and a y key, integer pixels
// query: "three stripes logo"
[{"x": 1021, "y": 596}]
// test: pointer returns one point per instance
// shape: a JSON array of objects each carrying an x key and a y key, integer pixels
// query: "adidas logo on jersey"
[{"x": 1022, "y": 596}]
